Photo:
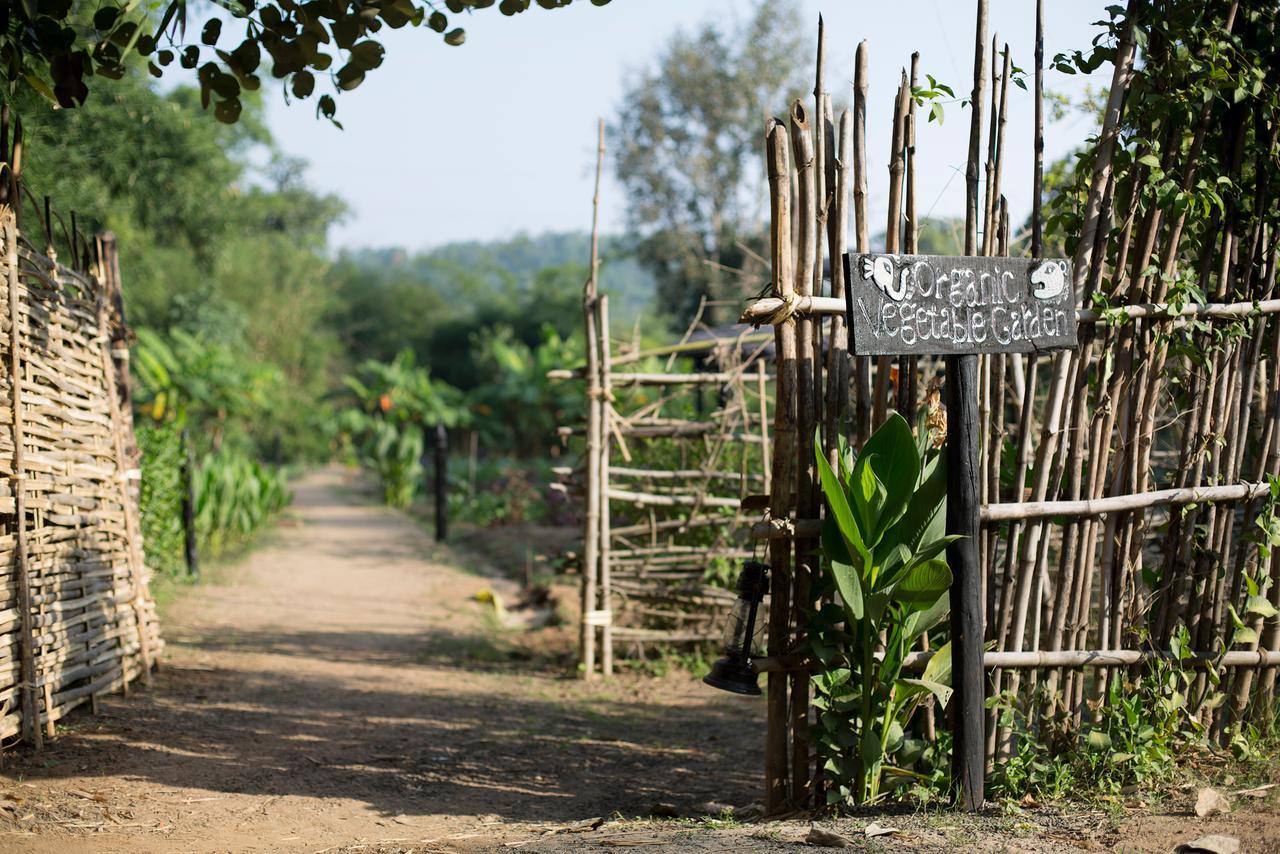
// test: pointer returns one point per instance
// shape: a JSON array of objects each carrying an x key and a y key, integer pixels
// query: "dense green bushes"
[
  {"x": 161, "y": 501},
  {"x": 235, "y": 496},
  {"x": 204, "y": 393}
]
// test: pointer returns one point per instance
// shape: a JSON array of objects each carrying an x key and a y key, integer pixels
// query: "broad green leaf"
[
  {"x": 868, "y": 493},
  {"x": 924, "y": 582},
  {"x": 894, "y": 739},
  {"x": 892, "y": 452},
  {"x": 1097, "y": 740},
  {"x": 925, "y": 517},
  {"x": 912, "y": 687},
  {"x": 838, "y": 502},
  {"x": 938, "y": 669},
  {"x": 849, "y": 583},
  {"x": 1260, "y": 606},
  {"x": 932, "y": 616},
  {"x": 1244, "y": 634}
]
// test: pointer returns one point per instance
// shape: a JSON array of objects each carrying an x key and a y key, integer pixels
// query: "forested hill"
[
  {"x": 518, "y": 262},
  {"x": 446, "y": 302}
]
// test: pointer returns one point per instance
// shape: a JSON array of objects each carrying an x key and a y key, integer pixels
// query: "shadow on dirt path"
[{"x": 324, "y": 697}]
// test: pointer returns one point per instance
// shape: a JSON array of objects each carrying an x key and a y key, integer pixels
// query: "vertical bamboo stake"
[
  {"x": 595, "y": 489},
  {"x": 908, "y": 393},
  {"x": 838, "y": 341},
  {"x": 784, "y": 465},
  {"x": 762, "y": 392},
  {"x": 821, "y": 199},
  {"x": 30, "y": 711},
  {"x": 989, "y": 209},
  {"x": 606, "y": 434},
  {"x": 1046, "y": 450},
  {"x": 441, "y": 481},
  {"x": 806, "y": 402},
  {"x": 885, "y": 364},
  {"x": 1037, "y": 183},
  {"x": 962, "y": 464},
  {"x": 861, "y": 364},
  {"x": 189, "y": 547}
]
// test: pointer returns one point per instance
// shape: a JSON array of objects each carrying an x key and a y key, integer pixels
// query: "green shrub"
[
  {"x": 234, "y": 496},
  {"x": 161, "y": 497},
  {"x": 880, "y": 547}
]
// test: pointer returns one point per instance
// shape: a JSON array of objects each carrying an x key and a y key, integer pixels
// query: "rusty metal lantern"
[{"x": 743, "y": 634}]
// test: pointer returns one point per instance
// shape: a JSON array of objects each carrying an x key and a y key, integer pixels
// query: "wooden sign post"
[{"x": 915, "y": 305}]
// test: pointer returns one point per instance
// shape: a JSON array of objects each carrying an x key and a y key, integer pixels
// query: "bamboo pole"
[
  {"x": 591, "y": 522},
  {"x": 606, "y": 420},
  {"x": 962, "y": 450},
  {"x": 1027, "y": 660},
  {"x": 838, "y": 366},
  {"x": 806, "y": 408},
  {"x": 861, "y": 364},
  {"x": 777, "y": 794},
  {"x": 1046, "y": 450},
  {"x": 908, "y": 366},
  {"x": 763, "y": 395},
  {"x": 30, "y": 712}
]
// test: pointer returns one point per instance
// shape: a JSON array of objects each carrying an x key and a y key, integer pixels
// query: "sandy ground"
[{"x": 340, "y": 690}]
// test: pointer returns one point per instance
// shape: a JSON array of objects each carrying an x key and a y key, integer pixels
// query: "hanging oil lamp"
[{"x": 743, "y": 634}]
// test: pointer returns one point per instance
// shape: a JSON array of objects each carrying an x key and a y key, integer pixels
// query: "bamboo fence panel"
[
  {"x": 1130, "y": 507},
  {"x": 77, "y": 617},
  {"x": 662, "y": 540},
  {"x": 1123, "y": 482}
]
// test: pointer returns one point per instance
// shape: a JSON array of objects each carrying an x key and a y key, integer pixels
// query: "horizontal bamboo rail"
[
  {"x": 1027, "y": 660},
  {"x": 654, "y": 379},
  {"x": 646, "y": 499},
  {"x": 763, "y": 309},
  {"x": 1115, "y": 503},
  {"x": 1082, "y": 508}
]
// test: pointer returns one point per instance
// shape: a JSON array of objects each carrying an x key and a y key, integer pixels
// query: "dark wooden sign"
[{"x": 933, "y": 304}]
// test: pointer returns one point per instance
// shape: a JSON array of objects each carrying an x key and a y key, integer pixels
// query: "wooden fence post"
[
  {"x": 442, "y": 482},
  {"x": 605, "y": 615},
  {"x": 190, "y": 550},
  {"x": 969, "y": 746}
]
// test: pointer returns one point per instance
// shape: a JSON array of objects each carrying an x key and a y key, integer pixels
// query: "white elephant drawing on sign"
[
  {"x": 1049, "y": 279},
  {"x": 882, "y": 270}
]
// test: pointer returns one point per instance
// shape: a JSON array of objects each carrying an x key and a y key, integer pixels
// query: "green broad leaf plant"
[{"x": 886, "y": 577}]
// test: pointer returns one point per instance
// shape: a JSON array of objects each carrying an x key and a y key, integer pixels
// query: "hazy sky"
[{"x": 497, "y": 136}]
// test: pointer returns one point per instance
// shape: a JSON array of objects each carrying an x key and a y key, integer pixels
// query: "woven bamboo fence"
[
  {"x": 1126, "y": 531},
  {"x": 670, "y": 458},
  {"x": 77, "y": 618},
  {"x": 664, "y": 525}
]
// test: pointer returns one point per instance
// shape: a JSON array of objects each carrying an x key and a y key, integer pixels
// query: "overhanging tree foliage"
[{"x": 55, "y": 47}]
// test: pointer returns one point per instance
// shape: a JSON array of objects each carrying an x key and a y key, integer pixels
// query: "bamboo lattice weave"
[{"x": 92, "y": 622}]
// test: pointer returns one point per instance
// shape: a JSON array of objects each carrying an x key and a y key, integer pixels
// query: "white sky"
[{"x": 497, "y": 136}]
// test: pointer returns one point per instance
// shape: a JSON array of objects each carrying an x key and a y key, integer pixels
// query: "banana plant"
[{"x": 882, "y": 546}]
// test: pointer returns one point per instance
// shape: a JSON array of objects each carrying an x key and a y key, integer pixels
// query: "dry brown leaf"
[{"x": 873, "y": 830}]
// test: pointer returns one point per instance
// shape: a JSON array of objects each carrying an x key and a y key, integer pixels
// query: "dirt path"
[{"x": 341, "y": 690}]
